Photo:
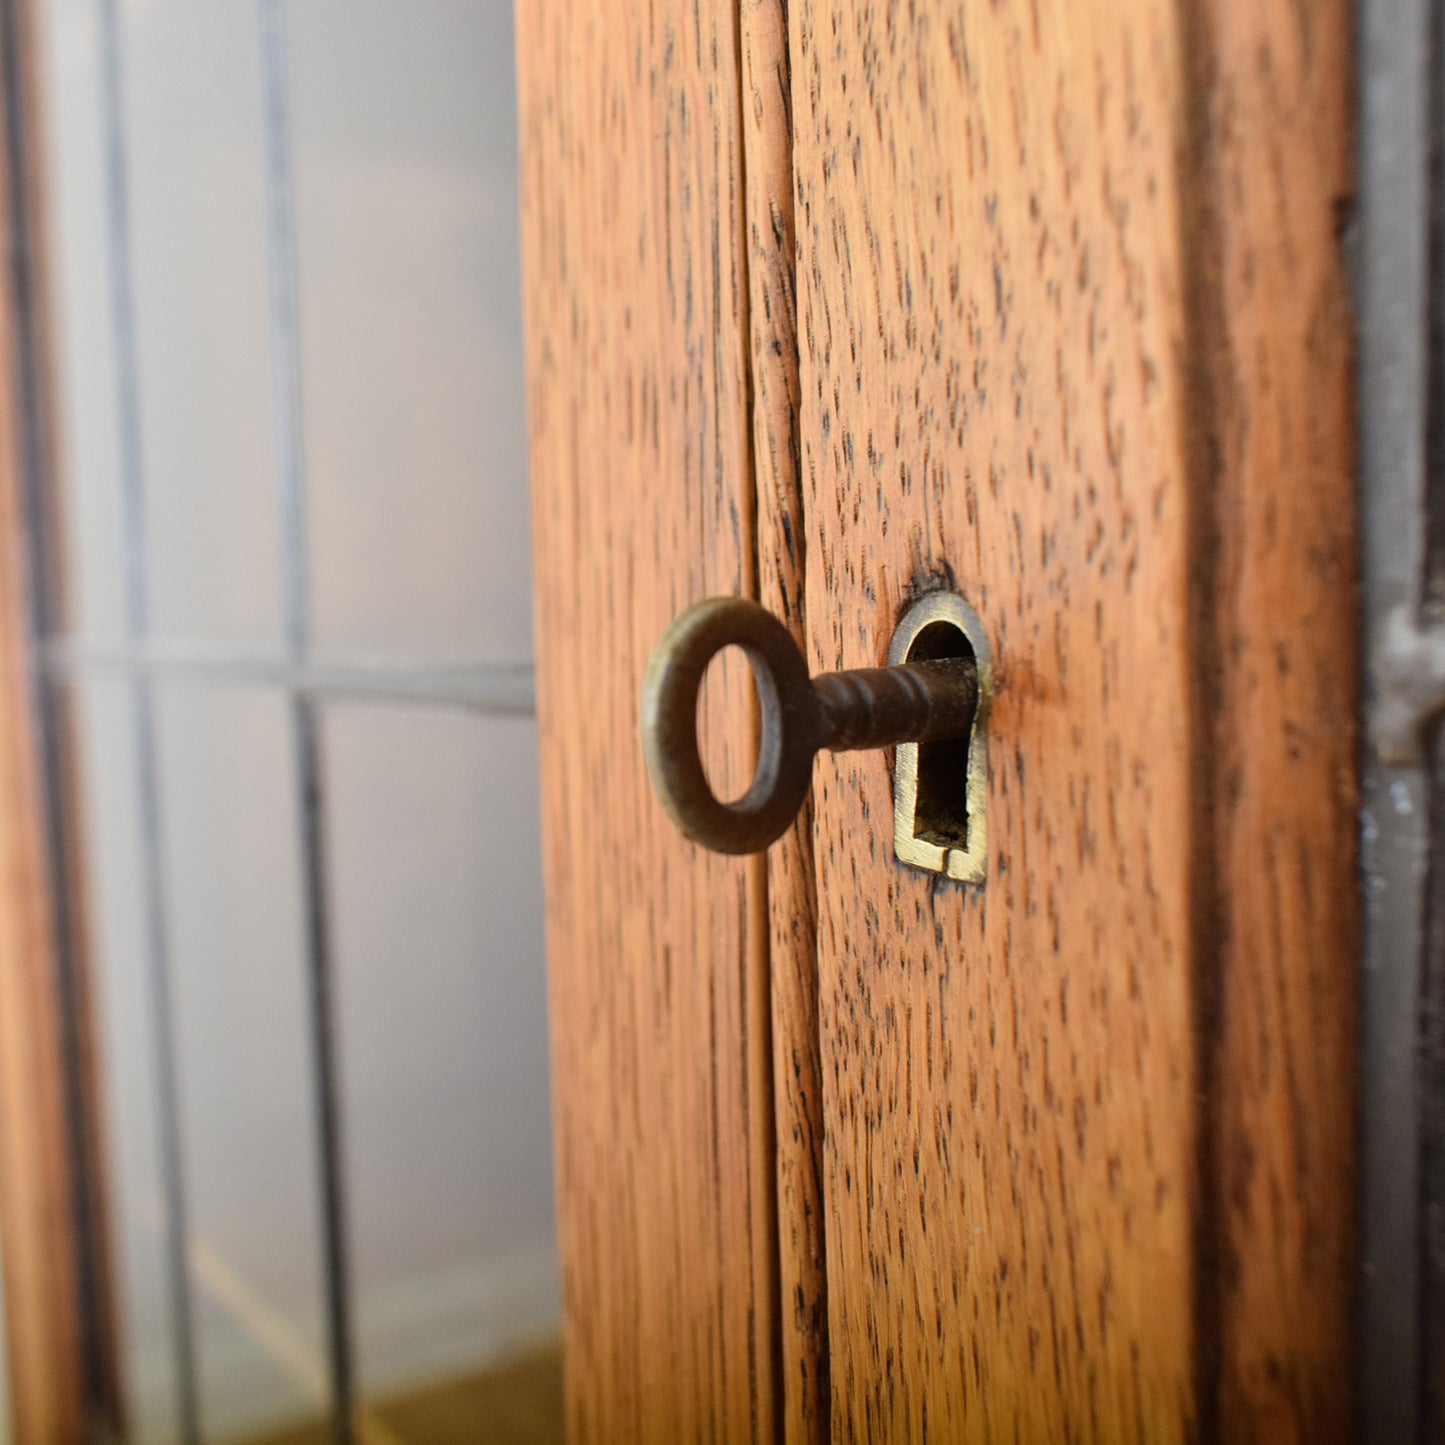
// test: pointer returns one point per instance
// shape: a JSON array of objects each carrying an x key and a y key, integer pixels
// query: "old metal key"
[{"x": 875, "y": 707}]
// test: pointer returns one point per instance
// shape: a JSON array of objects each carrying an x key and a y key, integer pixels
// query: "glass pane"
[
  {"x": 85, "y": 378},
  {"x": 401, "y": 120},
  {"x": 191, "y": 82},
  {"x": 442, "y": 1009},
  {"x": 404, "y": 135},
  {"x": 105, "y": 741},
  {"x": 230, "y": 852},
  {"x": 191, "y": 134}
]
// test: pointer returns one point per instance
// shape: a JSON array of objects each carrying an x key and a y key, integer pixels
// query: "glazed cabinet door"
[{"x": 835, "y": 304}]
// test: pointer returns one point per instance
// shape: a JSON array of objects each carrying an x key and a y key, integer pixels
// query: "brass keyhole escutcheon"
[
  {"x": 930, "y": 703},
  {"x": 940, "y": 787}
]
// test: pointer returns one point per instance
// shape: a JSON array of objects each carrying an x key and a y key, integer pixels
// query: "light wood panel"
[
  {"x": 990, "y": 307},
  {"x": 638, "y": 339},
  {"x": 1087, "y": 1153}
]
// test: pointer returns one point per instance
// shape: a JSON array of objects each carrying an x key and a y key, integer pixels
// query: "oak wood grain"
[
  {"x": 638, "y": 342},
  {"x": 782, "y": 563},
  {"x": 1074, "y": 340}
]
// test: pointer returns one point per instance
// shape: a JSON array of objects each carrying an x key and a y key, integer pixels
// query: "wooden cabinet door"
[{"x": 832, "y": 303}]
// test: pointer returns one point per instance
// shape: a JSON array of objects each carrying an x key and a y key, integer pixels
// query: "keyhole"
[
  {"x": 940, "y": 813},
  {"x": 940, "y": 789}
]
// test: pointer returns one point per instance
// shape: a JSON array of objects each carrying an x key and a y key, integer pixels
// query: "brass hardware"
[
  {"x": 926, "y": 699},
  {"x": 940, "y": 789}
]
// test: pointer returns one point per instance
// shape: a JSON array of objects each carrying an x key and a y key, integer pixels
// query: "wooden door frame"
[{"x": 60, "y": 1317}]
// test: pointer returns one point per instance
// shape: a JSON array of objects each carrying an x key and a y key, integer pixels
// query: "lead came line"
[
  {"x": 132, "y": 485},
  {"x": 304, "y": 719},
  {"x": 1393, "y": 282},
  {"x": 492, "y": 690}
]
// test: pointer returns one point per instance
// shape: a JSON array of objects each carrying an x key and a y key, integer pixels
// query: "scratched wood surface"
[
  {"x": 638, "y": 341},
  {"x": 1073, "y": 338},
  {"x": 1279, "y": 660},
  {"x": 792, "y": 886}
]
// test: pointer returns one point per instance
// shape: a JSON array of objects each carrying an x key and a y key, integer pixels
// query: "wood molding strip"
[
  {"x": 40, "y": 1244},
  {"x": 637, "y": 312},
  {"x": 1268, "y": 91}
]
